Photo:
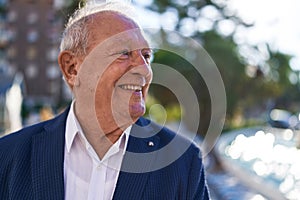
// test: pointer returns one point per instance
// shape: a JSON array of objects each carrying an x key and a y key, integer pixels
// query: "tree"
[{"x": 248, "y": 84}]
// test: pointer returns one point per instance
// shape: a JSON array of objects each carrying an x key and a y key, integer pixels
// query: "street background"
[{"x": 254, "y": 44}]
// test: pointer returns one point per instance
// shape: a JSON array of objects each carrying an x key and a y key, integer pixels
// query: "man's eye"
[
  {"x": 147, "y": 55},
  {"x": 124, "y": 54}
]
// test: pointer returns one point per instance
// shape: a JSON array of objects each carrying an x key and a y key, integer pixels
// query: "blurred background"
[{"x": 255, "y": 45}]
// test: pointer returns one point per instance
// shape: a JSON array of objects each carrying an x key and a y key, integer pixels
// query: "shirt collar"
[
  {"x": 119, "y": 145},
  {"x": 73, "y": 128}
]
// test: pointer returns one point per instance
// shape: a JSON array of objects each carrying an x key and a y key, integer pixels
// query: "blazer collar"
[
  {"x": 48, "y": 159},
  {"x": 138, "y": 160}
]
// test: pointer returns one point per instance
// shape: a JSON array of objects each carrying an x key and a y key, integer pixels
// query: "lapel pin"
[{"x": 150, "y": 144}]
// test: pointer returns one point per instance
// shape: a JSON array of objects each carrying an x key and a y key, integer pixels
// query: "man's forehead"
[
  {"x": 103, "y": 18},
  {"x": 133, "y": 38},
  {"x": 111, "y": 26}
]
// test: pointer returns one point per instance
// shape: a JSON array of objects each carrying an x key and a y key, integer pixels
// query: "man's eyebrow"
[{"x": 148, "y": 49}]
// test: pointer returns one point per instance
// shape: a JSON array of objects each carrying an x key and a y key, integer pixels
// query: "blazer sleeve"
[
  {"x": 197, "y": 186},
  {"x": 3, "y": 183}
]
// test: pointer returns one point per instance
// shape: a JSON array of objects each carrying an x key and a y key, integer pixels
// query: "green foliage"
[
  {"x": 269, "y": 81},
  {"x": 3, "y": 9},
  {"x": 162, "y": 114}
]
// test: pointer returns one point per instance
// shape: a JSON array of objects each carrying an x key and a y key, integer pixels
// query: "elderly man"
[{"x": 101, "y": 147}]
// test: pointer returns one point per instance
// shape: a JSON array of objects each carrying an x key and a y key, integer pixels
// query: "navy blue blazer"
[{"x": 32, "y": 161}]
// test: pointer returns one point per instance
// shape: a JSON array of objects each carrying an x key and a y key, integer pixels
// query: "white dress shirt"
[{"x": 86, "y": 177}]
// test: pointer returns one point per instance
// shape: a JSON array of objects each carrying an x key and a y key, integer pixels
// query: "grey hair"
[{"x": 76, "y": 33}]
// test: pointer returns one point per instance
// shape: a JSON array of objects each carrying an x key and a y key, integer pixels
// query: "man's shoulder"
[
  {"x": 24, "y": 135},
  {"x": 17, "y": 144},
  {"x": 171, "y": 150},
  {"x": 174, "y": 139}
]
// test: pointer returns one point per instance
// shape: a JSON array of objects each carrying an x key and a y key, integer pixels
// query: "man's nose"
[{"x": 140, "y": 64}]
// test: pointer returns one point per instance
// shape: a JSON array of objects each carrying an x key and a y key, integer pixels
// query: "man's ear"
[{"x": 69, "y": 66}]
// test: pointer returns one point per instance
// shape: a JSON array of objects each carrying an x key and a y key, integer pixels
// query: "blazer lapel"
[
  {"x": 137, "y": 162},
  {"x": 47, "y": 160}
]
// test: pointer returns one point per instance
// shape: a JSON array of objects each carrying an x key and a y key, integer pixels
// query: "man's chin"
[{"x": 137, "y": 113}]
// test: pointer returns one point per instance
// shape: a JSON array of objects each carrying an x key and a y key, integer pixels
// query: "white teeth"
[{"x": 131, "y": 87}]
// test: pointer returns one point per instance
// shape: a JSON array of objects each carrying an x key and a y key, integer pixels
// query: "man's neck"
[{"x": 101, "y": 143}]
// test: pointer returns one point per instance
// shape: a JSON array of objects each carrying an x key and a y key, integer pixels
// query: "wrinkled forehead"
[
  {"x": 113, "y": 28},
  {"x": 131, "y": 39}
]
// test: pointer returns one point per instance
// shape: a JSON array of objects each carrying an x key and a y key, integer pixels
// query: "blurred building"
[
  {"x": 29, "y": 42},
  {"x": 5, "y": 84},
  {"x": 10, "y": 102}
]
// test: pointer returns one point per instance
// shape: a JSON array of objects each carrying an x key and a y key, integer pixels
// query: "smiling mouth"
[{"x": 136, "y": 88}]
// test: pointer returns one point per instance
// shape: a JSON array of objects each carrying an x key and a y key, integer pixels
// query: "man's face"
[{"x": 117, "y": 72}]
